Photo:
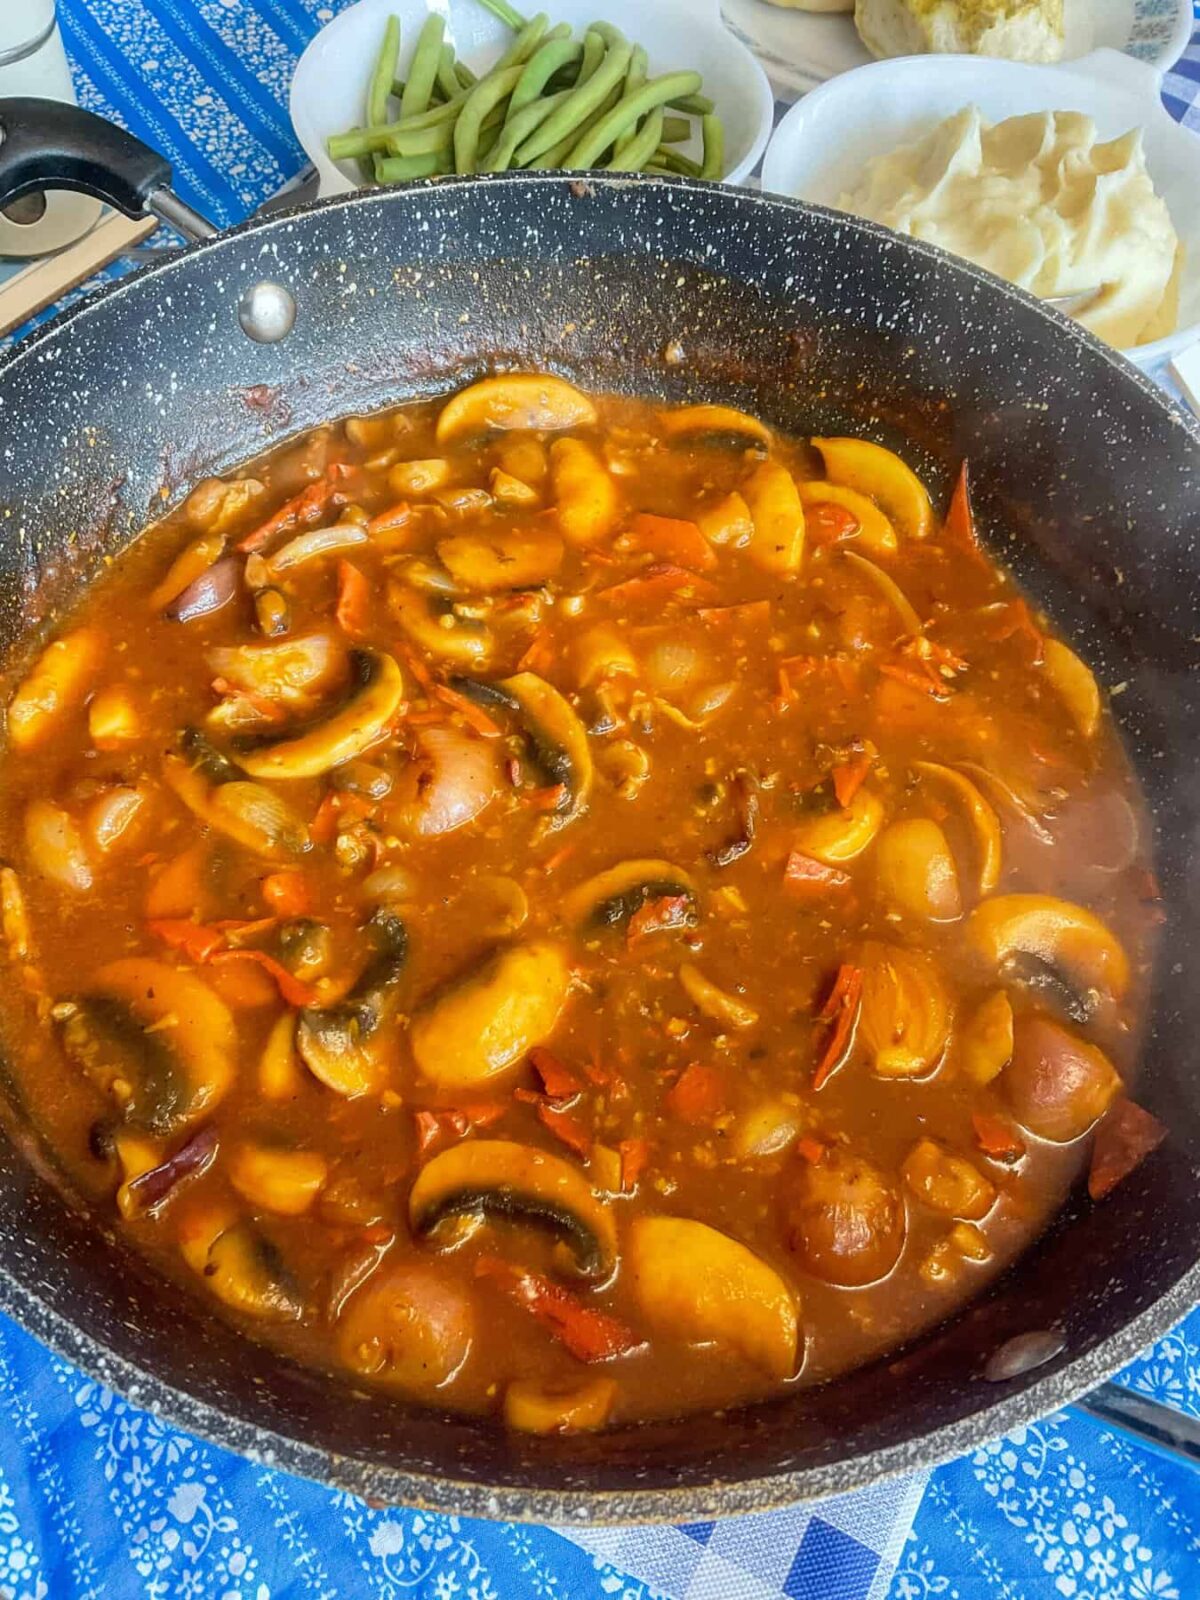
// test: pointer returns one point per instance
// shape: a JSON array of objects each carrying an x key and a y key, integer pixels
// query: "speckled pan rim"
[{"x": 1062, "y": 1383}]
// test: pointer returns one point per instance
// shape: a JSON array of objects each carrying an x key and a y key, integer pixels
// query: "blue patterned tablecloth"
[{"x": 99, "y": 1501}]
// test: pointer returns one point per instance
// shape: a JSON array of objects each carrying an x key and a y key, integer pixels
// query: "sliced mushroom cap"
[
  {"x": 158, "y": 1039},
  {"x": 343, "y": 1045},
  {"x": 361, "y": 719},
  {"x": 881, "y": 475},
  {"x": 720, "y": 421},
  {"x": 613, "y": 896},
  {"x": 239, "y": 1264},
  {"x": 531, "y": 1406},
  {"x": 836, "y": 836},
  {"x": 844, "y": 1219},
  {"x": 503, "y": 558},
  {"x": 777, "y": 543},
  {"x": 518, "y": 400},
  {"x": 586, "y": 499},
  {"x": 982, "y": 816},
  {"x": 558, "y": 741},
  {"x": 1057, "y": 1084},
  {"x": 916, "y": 871},
  {"x": 487, "y": 1022},
  {"x": 465, "y": 643},
  {"x": 409, "y": 1326},
  {"x": 1074, "y": 683},
  {"x": 696, "y": 1284},
  {"x": 496, "y": 1178},
  {"x": 1032, "y": 935}
]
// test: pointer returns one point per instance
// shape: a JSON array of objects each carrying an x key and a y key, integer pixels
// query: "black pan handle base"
[
  {"x": 1160, "y": 1428},
  {"x": 46, "y": 144}
]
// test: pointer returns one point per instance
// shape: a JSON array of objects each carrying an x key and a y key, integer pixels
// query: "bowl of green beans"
[{"x": 396, "y": 90}]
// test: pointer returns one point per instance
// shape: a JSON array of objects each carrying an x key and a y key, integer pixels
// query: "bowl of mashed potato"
[{"x": 1063, "y": 180}]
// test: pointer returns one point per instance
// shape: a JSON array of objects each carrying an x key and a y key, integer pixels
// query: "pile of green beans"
[{"x": 551, "y": 100}]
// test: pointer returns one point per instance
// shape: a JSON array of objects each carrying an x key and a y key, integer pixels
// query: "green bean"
[
  {"x": 676, "y": 130},
  {"x": 385, "y": 70},
  {"x": 580, "y": 104},
  {"x": 657, "y": 92},
  {"x": 593, "y": 55},
  {"x": 435, "y": 116},
  {"x": 464, "y": 75},
  {"x": 639, "y": 67},
  {"x": 633, "y": 155},
  {"x": 613, "y": 37},
  {"x": 499, "y": 157},
  {"x": 447, "y": 82},
  {"x": 714, "y": 148},
  {"x": 558, "y": 153},
  {"x": 359, "y": 142},
  {"x": 421, "y": 141},
  {"x": 485, "y": 97},
  {"x": 399, "y": 169},
  {"x": 526, "y": 42},
  {"x": 541, "y": 67},
  {"x": 422, "y": 69},
  {"x": 675, "y": 161},
  {"x": 695, "y": 105},
  {"x": 500, "y": 8}
]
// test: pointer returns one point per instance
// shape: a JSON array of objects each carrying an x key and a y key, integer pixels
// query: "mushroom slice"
[
  {"x": 558, "y": 741},
  {"x": 1022, "y": 933},
  {"x": 882, "y": 476},
  {"x": 694, "y": 1283},
  {"x": 585, "y": 495},
  {"x": 916, "y": 870},
  {"x": 408, "y": 1326},
  {"x": 777, "y": 544},
  {"x": 906, "y": 1013},
  {"x": 985, "y": 1041},
  {"x": 487, "y": 1022},
  {"x": 157, "y": 1038},
  {"x": 1057, "y": 1084},
  {"x": 518, "y": 400},
  {"x": 340, "y": 1045},
  {"x": 284, "y": 1181},
  {"x": 982, "y": 817},
  {"x": 496, "y": 1178},
  {"x": 58, "y": 682},
  {"x": 874, "y": 532},
  {"x": 844, "y": 1219},
  {"x": 834, "y": 837},
  {"x": 613, "y": 896},
  {"x": 718, "y": 1004},
  {"x": 360, "y": 720},
  {"x": 239, "y": 1264},
  {"x": 504, "y": 558},
  {"x": 947, "y": 1183},
  {"x": 463, "y": 641},
  {"x": 531, "y": 1406},
  {"x": 1074, "y": 684},
  {"x": 720, "y": 421}
]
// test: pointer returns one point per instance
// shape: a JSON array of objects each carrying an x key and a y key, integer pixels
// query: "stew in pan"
[{"x": 560, "y": 906}]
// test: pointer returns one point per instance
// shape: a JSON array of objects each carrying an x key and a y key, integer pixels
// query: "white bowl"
[
  {"x": 330, "y": 81},
  {"x": 821, "y": 147}
]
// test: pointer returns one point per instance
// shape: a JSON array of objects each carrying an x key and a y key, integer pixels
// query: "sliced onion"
[
  {"x": 890, "y": 590},
  {"x": 213, "y": 589},
  {"x": 150, "y": 1189},
  {"x": 389, "y": 883},
  {"x": 111, "y": 816},
  {"x": 55, "y": 846},
  {"x": 258, "y": 817},
  {"x": 318, "y": 542},
  {"x": 288, "y": 670}
]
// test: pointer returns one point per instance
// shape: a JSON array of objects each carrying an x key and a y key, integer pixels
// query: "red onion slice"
[
  {"x": 192, "y": 1158},
  {"x": 214, "y": 588}
]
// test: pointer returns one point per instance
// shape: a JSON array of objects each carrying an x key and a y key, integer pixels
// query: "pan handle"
[
  {"x": 1159, "y": 1428},
  {"x": 45, "y": 144}
]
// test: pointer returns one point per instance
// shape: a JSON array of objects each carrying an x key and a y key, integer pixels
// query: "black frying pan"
[{"x": 1087, "y": 482}]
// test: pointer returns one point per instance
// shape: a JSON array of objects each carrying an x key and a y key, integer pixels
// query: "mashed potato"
[{"x": 1040, "y": 202}]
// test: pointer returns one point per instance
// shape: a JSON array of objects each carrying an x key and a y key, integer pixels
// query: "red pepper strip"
[
  {"x": 812, "y": 1150},
  {"x": 997, "y": 1137},
  {"x": 558, "y": 1081},
  {"x": 540, "y": 653},
  {"x": 749, "y": 614},
  {"x": 397, "y": 516},
  {"x": 197, "y": 942},
  {"x": 634, "y": 1153},
  {"x": 662, "y": 582},
  {"x": 698, "y": 1095},
  {"x": 828, "y": 523},
  {"x": 290, "y": 987},
  {"x": 657, "y": 916},
  {"x": 268, "y": 710},
  {"x": 959, "y": 526},
  {"x": 849, "y": 776},
  {"x": 549, "y": 799},
  {"x": 472, "y": 714},
  {"x": 842, "y": 1005},
  {"x": 287, "y": 894},
  {"x": 588, "y": 1334},
  {"x": 1123, "y": 1141},
  {"x": 674, "y": 540},
  {"x": 354, "y": 600},
  {"x": 429, "y": 1130},
  {"x": 914, "y": 678},
  {"x": 565, "y": 1127},
  {"x": 458, "y": 1120},
  {"x": 306, "y": 506},
  {"x": 810, "y": 879},
  {"x": 324, "y": 823},
  {"x": 420, "y": 671}
]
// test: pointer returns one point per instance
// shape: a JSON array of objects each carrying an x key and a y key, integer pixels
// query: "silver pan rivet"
[
  {"x": 267, "y": 312},
  {"x": 1018, "y": 1356}
]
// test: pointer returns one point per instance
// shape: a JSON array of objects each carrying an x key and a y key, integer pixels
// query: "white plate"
[
  {"x": 801, "y": 49},
  {"x": 331, "y": 77},
  {"x": 821, "y": 147}
]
